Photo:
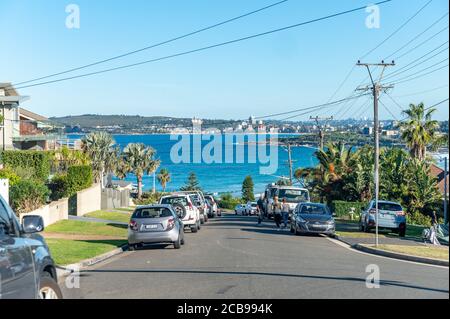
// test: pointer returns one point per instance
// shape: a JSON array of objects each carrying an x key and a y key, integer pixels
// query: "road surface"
[{"x": 232, "y": 257}]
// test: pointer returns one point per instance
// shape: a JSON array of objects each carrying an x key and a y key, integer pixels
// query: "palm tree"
[
  {"x": 101, "y": 149},
  {"x": 420, "y": 131},
  {"x": 140, "y": 160},
  {"x": 164, "y": 178}
]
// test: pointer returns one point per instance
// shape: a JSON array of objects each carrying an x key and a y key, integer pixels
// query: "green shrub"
[
  {"x": 9, "y": 174},
  {"x": 342, "y": 209},
  {"x": 148, "y": 198},
  {"x": 227, "y": 201},
  {"x": 67, "y": 185},
  {"x": 417, "y": 218},
  {"x": 27, "y": 195},
  {"x": 38, "y": 161}
]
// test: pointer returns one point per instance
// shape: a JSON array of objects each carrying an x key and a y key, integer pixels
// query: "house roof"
[
  {"x": 32, "y": 116},
  {"x": 438, "y": 172},
  {"x": 11, "y": 95}
]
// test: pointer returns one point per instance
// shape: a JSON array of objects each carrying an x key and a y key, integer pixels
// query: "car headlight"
[{"x": 300, "y": 219}]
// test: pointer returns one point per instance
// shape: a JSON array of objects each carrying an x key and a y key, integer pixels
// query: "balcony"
[{"x": 31, "y": 134}]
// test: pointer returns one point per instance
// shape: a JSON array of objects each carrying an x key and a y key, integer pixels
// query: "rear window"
[
  {"x": 175, "y": 200},
  {"x": 390, "y": 207},
  {"x": 154, "y": 212}
]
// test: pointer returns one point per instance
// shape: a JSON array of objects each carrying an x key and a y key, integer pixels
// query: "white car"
[
  {"x": 251, "y": 208},
  {"x": 214, "y": 209},
  {"x": 240, "y": 209},
  {"x": 183, "y": 206}
]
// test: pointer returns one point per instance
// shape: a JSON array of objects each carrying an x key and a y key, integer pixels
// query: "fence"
[{"x": 113, "y": 198}]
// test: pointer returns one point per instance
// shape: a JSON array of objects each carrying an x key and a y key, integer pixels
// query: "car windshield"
[
  {"x": 390, "y": 207},
  {"x": 293, "y": 195},
  {"x": 153, "y": 212},
  {"x": 175, "y": 200},
  {"x": 314, "y": 209}
]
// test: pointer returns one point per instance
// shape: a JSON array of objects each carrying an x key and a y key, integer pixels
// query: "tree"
[
  {"x": 192, "y": 183},
  {"x": 140, "y": 160},
  {"x": 419, "y": 131},
  {"x": 247, "y": 189},
  {"x": 164, "y": 178},
  {"x": 101, "y": 149}
]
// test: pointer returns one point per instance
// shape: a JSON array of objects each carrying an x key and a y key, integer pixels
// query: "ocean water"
[{"x": 216, "y": 177}]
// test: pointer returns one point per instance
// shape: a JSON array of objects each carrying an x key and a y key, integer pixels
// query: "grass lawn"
[
  {"x": 112, "y": 216},
  {"x": 66, "y": 252},
  {"x": 87, "y": 228},
  {"x": 347, "y": 228},
  {"x": 420, "y": 251}
]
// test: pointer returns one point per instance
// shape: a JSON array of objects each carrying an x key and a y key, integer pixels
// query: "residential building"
[{"x": 439, "y": 174}]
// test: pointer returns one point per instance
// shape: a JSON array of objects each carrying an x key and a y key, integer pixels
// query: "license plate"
[
  {"x": 316, "y": 226},
  {"x": 151, "y": 226}
]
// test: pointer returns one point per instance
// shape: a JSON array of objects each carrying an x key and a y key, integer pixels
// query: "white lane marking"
[{"x": 348, "y": 247}]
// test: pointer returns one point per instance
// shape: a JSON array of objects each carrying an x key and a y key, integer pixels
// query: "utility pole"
[
  {"x": 376, "y": 89},
  {"x": 321, "y": 131},
  {"x": 290, "y": 162},
  {"x": 445, "y": 190}
]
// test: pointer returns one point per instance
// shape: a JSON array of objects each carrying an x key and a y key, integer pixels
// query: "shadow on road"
[{"x": 85, "y": 273}]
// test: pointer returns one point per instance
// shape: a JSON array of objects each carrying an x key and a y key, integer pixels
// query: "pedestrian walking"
[
  {"x": 260, "y": 210},
  {"x": 277, "y": 212},
  {"x": 285, "y": 212}
]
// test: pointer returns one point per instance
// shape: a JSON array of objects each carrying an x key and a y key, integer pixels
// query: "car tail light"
[
  {"x": 401, "y": 214},
  {"x": 373, "y": 211},
  {"x": 170, "y": 224},
  {"x": 190, "y": 206},
  {"x": 133, "y": 225}
]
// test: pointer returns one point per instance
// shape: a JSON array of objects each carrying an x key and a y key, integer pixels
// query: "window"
[
  {"x": 390, "y": 207},
  {"x": 154, "y": 212},
  {"x": 5, "y": 221},
  {"x": 293, "y": 195},
  {"x": 314, "y": 210},
  {"x": 175, "y": 200}
]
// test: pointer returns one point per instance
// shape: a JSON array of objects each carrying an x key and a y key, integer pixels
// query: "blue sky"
[{"x": 288, "y": 70}]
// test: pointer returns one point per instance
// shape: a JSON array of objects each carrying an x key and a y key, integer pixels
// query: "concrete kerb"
[
  {"x": 424, "y": 260},
  {"x": 65, "y": 271}
]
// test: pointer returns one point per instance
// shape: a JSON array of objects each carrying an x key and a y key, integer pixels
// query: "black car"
[
  {"x": 27, "y": 271},
  {"x": 313, "y": 218}
]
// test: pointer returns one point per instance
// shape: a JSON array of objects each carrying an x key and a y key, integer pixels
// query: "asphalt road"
[{"x": 232, "y": 257}]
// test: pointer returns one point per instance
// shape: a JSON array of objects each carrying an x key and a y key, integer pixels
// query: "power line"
[
  {"x": 205, "y": 48},
  {"x": 405, "y": 68},
  {"x": 387, "y": 109},
  {"x": 422, "y": 43},
  {"x": 416, "y": 37},
  {"x": 397, "y": 30},
  {"x": 405, "y": 79},
  {"x": 422, "y": 92},
  {"x": 154, "y": 45},
  {"x": 428, "y": 108}
]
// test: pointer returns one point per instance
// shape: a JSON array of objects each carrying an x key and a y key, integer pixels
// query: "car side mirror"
[{"x": 32, "y": 224}]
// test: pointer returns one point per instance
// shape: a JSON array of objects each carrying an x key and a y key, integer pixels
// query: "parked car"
[
  {"x": 251, "y": 208},
  {"x": 199, "y": 201},
  {"x": 240, "y": 209},
  {"x": 155, "y": 224},
  {"x": 183, "y": 206},
  {"x": 214, "y": 208},
  {"x": 391, "y": 216},
  {"x": 313, "y": 218},
  {"x": 27, "y": 270}
]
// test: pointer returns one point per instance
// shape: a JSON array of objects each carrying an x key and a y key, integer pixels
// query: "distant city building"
[{"x": 367, "y": 130}]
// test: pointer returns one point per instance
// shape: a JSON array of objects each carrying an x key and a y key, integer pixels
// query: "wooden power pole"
[{"x": 321, "y": 128}]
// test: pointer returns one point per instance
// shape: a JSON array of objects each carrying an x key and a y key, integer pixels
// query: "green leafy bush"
[
  {"x": 67, "y": 185},
  {"x": 227, "y": 201},
  {"x": 38, "y": 161},
  {"x": 148, "y": 198},
  {"x": 420, "y": 219},
  {"x": 27, "y": 195},
  {"x": 9, "y": 174},
  {"x": 342, "y": 209}
]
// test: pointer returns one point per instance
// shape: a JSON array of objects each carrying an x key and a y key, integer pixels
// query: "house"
[
  {"x": 439, "y": 173},
  {"x": 10, "y": 101},
  {"x": 22, "y": 129}
]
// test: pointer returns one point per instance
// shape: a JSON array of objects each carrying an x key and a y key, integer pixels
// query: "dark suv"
[{"x": 27, "y": 270}]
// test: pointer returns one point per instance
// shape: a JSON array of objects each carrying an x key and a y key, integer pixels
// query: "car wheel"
[
  {"x": 49, "y": 288},
  {"x": 131, "y": 247},
  {"x": 292, "y": 229},
  {"x": 361, "y": 227},
  {"x": 194, "y": 229},
  {"x": 182, "y": 241},
  {"x": 177, "y": 244}
]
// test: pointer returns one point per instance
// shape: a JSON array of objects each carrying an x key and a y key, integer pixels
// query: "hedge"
[
  {"x": 67, "y": 185},
  {"x": 227, "y": 201},
  {"x": 8, "y": 174},
  {"x": 343, "y": 208},
  {"x": 26, "y": 196},
  {"x": 38, "y": 161}
]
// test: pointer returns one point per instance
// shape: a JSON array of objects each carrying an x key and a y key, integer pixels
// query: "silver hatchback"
[{"x": 155, "y": 224}]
